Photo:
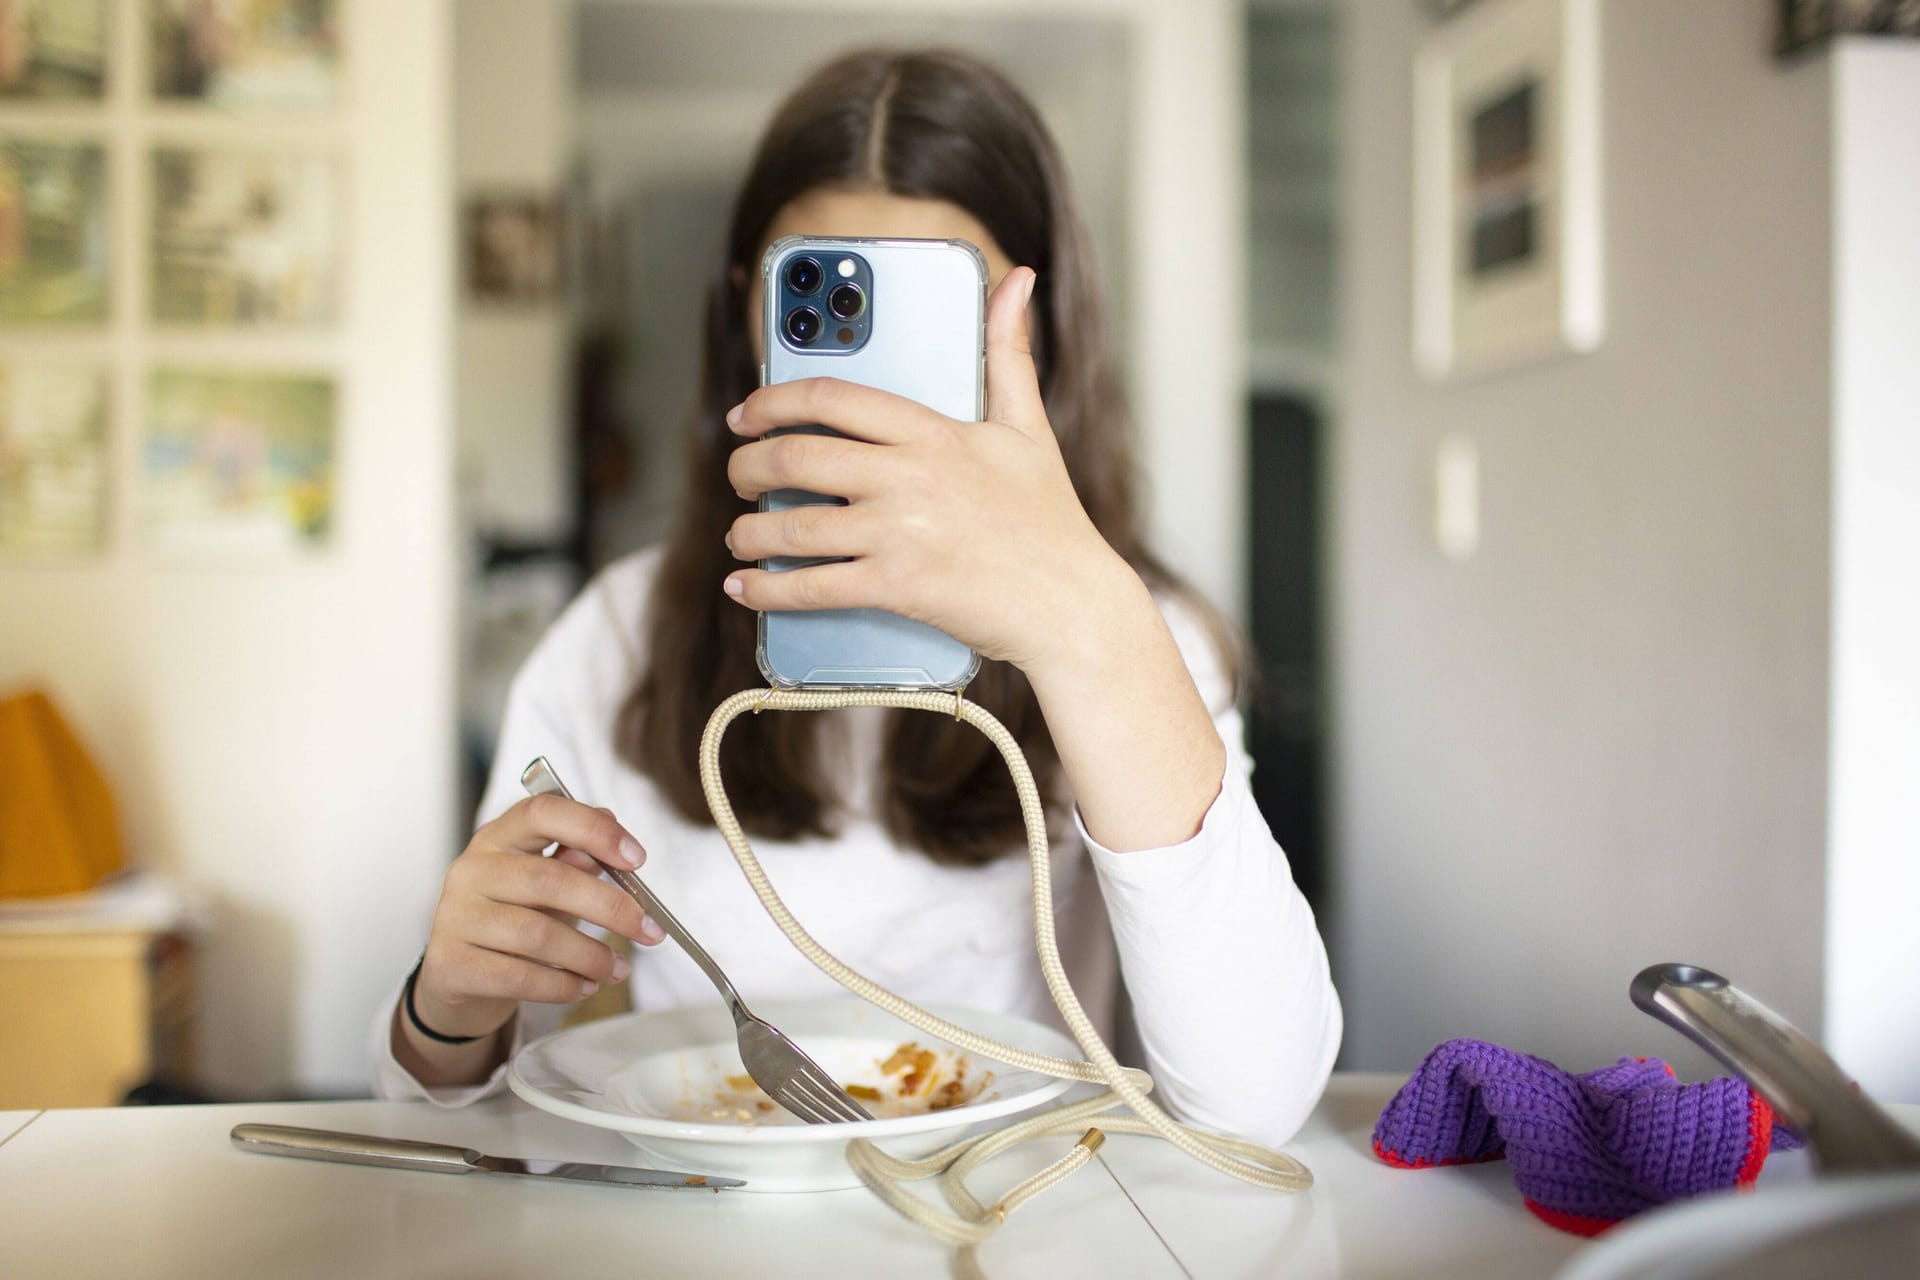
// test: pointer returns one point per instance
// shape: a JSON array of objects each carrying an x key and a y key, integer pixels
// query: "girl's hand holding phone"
[
  {"x": 505, "y": 928},
  {"x": 972, "y": 527}
]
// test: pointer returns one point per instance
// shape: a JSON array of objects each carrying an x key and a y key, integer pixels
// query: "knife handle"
[{"x": 352, "y": 1148}]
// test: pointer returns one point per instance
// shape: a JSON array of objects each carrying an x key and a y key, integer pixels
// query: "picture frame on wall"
[
  {"x": 512, "y": 247},
  {"x": 53, "y": 457},
  {"x": 244, "y": 238},
  {"x": 53, "y": 232},
  {"x": 53, "y": 50},
  {"x": 241, "y": 55},
  {"x": 1507, "y": 218},
  {"x": 237, "y": 463}
]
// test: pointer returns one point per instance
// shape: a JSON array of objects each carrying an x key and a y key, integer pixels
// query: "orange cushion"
[{"x": 58, "y": 831}]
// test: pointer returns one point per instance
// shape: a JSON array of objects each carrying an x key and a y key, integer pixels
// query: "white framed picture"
[
  {"x": 237, "y": 463},
  {"x": 244, "y": 238},
  {"x": 1506, "y": 197},
  {"x": 54, "y": 234},
  {"x": 238, "y": 55},
  {"x": 53, "y": 456},
  {"x": 53, "y": 50}
]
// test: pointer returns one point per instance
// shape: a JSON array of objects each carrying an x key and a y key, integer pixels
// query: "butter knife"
[{"x": 434, "y": 1157}]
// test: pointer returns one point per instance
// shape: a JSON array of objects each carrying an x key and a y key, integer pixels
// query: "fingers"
[
  {"x": 501, "y": 976},
  {"x": 538, "y": 821},
  {"x": 822, "y": 586},
  {"x": 810, "y": 531},
  {"x": 1013, "y": 385},
  {"x": 536, "y": 936},
  {"x": 650, "y": 932},
  {"x": 865, "y": 413},
  {"x": 803, "y": 460},
  {"x": 504, "y": 929},
  {"x": 550, "y": 884},
  {"x": 576, "y": 858}
]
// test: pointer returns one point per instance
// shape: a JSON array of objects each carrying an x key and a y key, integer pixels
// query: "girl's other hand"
[
  {"x": 971, "y": 527},
  {"x": 505, "y": 929}
]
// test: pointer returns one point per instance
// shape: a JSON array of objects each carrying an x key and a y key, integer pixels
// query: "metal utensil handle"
[
  {"x": 1844, "y": 1128},
  {"x": 540, "y": 779},
  {"x": 353, "y": 1148}
]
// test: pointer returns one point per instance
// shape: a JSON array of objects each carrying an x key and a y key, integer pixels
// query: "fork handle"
[
  {"x": 1842, "y": 1125},
  {"x": 665, "y": 918},
  {"x": 540, "y": 779}
]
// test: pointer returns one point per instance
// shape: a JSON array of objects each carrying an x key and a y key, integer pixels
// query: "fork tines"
[{"x": 818, "y": 1100}]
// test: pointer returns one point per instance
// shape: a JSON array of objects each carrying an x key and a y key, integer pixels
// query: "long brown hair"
[{"x": 933, "y": 125}]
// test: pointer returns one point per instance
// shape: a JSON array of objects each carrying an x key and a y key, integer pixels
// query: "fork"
[{"x": 775, "y": 1062}]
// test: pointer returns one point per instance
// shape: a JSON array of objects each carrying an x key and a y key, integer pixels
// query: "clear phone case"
[{"x": 920, "y": 334}]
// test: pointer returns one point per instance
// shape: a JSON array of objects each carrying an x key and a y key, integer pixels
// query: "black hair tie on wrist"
[{"x": 413, "y": 1014}]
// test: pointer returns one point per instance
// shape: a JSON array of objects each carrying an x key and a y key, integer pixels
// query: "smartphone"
[{"x": 906, "y": 316}]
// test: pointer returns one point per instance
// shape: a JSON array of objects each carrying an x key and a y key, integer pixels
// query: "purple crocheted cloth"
[{"x": 1586, "y": 1150}]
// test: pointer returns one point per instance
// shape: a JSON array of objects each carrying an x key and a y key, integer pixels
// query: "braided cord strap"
[{"x": 884, "y": 1173}]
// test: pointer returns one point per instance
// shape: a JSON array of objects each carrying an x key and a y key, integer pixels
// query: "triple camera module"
[{"x": 823, "y": 301}]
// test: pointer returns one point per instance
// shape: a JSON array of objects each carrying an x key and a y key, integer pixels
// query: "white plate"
[{"x": 645, "y": 1074}]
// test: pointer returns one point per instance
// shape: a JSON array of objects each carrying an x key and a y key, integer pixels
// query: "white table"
[
  {"x": 162, "y": 1192},
  {"x": 1362, "y": 1219},
  {"x": 11, "y": 1122}
]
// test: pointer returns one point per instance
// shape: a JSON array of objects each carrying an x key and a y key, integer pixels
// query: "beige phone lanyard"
[{"x": 973, "y": 1222}]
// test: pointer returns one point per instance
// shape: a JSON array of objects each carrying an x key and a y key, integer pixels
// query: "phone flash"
[{"x": 846, "y": 267}]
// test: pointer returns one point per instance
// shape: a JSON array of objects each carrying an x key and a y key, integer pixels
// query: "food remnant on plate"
[
  {"x": 913, "y": 1082},
  {"x": 940, "y": 1078},
  {"x": 950, "y": 1094},
  {"x": 916, "y": 1062},
  {"x": 919, "y": 1072}
]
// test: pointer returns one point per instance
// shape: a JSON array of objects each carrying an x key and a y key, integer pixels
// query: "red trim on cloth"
[
  {"x": 1759, "y": 1140},
  {"x": 1576, "y": 1223},
  {"x": 1394, "y": 1158}
]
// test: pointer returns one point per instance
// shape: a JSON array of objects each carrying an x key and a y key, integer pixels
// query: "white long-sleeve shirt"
[{"x": 1231, "y": 996}]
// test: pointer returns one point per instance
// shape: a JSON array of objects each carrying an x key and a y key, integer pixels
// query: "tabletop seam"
[
  {"x": 1151, "y": 1225},
  {"x": 23, "y": 1128}
]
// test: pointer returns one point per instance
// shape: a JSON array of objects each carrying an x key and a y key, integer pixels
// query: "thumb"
[{"x": 1013, "y": 385}]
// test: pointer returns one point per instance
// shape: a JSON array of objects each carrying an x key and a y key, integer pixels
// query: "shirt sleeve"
[{"x": 1223, "y": 961}]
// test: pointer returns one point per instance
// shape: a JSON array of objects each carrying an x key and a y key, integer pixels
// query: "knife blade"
[{"x": 435, "y": 1157}]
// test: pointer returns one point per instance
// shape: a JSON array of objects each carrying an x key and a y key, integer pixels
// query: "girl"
[{"x": 895, "y": 836}]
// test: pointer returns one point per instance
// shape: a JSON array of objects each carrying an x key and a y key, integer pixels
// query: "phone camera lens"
[
  {"x": 804, "y": 275},
  {"x": 803, "y": 325},
  {"x": 846, "y": 301}
]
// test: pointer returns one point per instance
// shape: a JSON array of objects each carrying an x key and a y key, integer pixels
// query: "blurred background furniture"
[{"x": 96, "y": 994}]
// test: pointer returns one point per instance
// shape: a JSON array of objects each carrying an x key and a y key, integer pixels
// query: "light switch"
[{"x": 1456, "y": 497}]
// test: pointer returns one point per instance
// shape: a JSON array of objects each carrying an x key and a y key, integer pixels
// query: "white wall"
[
  {"x": 1873, "y": 824},
  {"x": 513, "y": 89},
  {"x": 281, "y": 735},
  {"x": 1189, "y": 225},
  {"x": 1293, "y": 144},
  {"x": 1599, "y": 743}
]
